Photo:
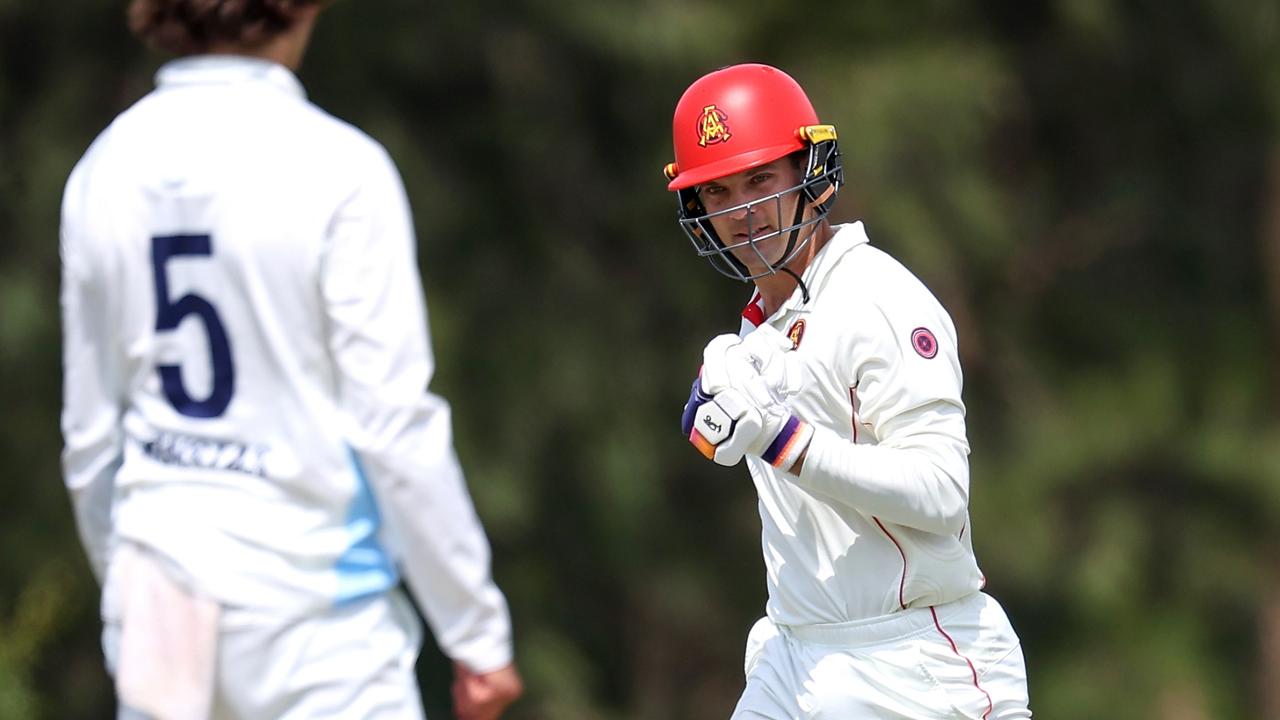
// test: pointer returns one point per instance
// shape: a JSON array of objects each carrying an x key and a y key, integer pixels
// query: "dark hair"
[{"x": 188, "y": 27}]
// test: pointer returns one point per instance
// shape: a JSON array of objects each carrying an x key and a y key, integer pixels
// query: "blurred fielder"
[
  {"x": 842, "y": 391},
  {"x": 251, "y": 449}
]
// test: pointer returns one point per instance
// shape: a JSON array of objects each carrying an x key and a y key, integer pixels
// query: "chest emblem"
[
  {"x": 924, "y": 342},
  {"x": 796, "y": 333},
  {"x": 711, "y": 126}
]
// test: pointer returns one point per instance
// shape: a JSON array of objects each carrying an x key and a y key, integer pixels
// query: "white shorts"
[
  {"x": 175, "y": 654},
  {"x": 959, "y": 660}
]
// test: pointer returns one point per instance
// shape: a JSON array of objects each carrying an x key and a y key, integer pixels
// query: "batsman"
[{"x": 842, "y": 394}]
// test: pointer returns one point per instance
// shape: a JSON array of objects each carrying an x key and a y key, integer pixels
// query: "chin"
[
  {"x": 758, "y": 269},
  {"x": 754, "y": 263}
]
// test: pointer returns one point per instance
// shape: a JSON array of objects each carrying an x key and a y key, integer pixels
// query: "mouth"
[{"x": 758, "y": 232}]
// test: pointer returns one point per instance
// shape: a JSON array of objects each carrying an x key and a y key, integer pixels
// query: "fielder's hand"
[{"x": 484, "y": 696}]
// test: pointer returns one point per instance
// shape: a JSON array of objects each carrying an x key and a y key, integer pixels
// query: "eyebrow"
[
  {"x": 748, "y": 173},
  {"x": 771, "y": 166}
]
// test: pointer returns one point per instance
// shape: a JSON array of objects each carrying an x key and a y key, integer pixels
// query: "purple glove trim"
[
  {"x": 696, "y": 399},
  {"x": 780, "y": 443}
]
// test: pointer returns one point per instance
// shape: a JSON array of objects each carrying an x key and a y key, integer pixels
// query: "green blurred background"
[{"x": 1092, "y": 188}]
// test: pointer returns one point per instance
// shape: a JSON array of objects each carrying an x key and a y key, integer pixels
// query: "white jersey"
[
  {"x": 877, "y": 521},
  {"x": 246, "y": 360}
]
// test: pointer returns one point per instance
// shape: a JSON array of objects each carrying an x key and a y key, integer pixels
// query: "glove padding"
[
  {"x": 738, "y": 406},
  {"x": 729, "y": 361}
]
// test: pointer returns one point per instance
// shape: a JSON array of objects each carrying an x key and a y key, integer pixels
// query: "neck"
[
  {"x": 774, "y": 289},
  {"x": 287, "y": 48}
]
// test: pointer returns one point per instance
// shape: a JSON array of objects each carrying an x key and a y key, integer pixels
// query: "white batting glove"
[
  {"x": 769, "y": 352},
  {"x": 706, "y": 422},
  {"x": 724, "y": 364},
  {"x": 737, "y": 406},
  {"x": 729, "y": 361},
  {"x": 766, "y": 430},
  {"x": 720, "y": 426}
]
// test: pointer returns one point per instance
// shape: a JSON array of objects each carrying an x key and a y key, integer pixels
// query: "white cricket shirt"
[
  {"x": 878, "y": 519},
  {"x": 246, "y": 359}
]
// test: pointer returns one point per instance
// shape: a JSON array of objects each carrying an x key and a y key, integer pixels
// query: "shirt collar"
[
  {"x": 227, "y": 70},
  {"x": 752, "y": 314},
  {"x": 846, "y": 238}
]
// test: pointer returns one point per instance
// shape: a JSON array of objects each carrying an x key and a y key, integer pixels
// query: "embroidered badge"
[
  {"x": 924, "y": 342},
  {"x": 712, "y": 127},
  {"x": 796, "y": 333}
]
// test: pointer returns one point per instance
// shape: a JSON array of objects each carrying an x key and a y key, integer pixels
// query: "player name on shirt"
[{"x": 196, "y": 452}]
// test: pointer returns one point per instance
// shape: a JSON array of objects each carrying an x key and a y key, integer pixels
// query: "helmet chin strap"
[
  {"x": 791, "y": 243},
  {"x": 804, "y": 291}
]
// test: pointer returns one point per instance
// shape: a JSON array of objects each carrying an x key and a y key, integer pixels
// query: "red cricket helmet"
[{"x": 737, "y": 118}]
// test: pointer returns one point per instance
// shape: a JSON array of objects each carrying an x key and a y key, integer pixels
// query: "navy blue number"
[{"x": 170, "y": 314}]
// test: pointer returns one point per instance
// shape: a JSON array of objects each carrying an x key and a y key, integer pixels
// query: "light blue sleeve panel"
[{"x": 365, "y": 568}]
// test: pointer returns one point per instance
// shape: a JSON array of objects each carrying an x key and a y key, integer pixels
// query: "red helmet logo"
[{"x": 712, "y": 127}]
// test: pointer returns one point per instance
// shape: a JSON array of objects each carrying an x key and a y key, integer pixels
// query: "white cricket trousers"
[
  {"x": 958, "y": 660},
  {"x": 176, "y": 655}
]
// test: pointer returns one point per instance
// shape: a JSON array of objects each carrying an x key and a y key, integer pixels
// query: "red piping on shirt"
[
  {"x": 903, "y": 582},
  {"x": 969, "y": 662}
]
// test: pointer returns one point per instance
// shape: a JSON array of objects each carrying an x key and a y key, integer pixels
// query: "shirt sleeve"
[
  {"x": 402, "y": 432},
  {"x": 92, "y": 386},
  {"x": 917, "y": 472}
]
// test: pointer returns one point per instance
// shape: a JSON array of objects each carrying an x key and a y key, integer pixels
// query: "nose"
[
  {"x": 740, "y": 212},
  {"x": 742, "y": 206}
]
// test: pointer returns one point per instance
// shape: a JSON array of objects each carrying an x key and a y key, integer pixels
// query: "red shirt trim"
[
  {"x": 969, "y": 662},
  {"x": 902, "y": 584}
]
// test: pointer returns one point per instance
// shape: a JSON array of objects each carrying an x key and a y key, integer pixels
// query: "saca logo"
[{"x": 712, "y": 126}]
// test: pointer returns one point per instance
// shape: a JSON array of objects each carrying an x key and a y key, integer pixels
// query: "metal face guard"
[{"x": 708, "y": 244}]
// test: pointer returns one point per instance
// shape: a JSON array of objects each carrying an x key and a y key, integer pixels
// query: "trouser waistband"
[{"x": 883, "y": 628}]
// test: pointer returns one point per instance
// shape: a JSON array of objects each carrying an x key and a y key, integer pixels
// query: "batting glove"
[
  {"x": 714, "y": 377},
  {"x": 769, "y": 354},
  {"x": 737, "y": 404}
]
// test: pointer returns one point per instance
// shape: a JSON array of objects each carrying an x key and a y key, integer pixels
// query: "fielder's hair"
[{"x": 189, "y": 27}]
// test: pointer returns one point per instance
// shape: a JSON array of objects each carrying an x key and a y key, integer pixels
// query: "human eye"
[{"x": 761, "y": 178}]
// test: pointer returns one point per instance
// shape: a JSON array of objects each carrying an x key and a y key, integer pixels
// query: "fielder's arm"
[{"x": 401, "y": 432}]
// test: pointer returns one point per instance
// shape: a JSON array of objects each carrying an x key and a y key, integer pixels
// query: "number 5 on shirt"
[{"x": 169, "y": 314}]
